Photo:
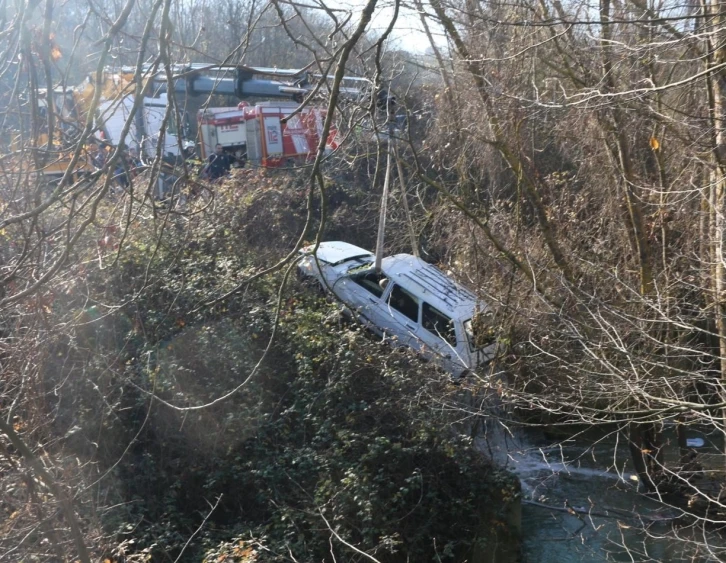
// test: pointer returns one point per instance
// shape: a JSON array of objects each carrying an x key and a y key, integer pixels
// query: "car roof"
[{"x": 431, "y": 284}]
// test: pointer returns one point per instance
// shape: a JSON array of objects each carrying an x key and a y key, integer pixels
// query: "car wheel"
[{"x": 310, "y": 282}]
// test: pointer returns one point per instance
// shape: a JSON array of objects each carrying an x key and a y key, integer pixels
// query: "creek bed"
[{"x": 581, "y": 503}]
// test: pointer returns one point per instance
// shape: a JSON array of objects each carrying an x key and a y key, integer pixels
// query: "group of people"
[
  {"x": 217, "y": 166},
  {"x": 126, "y": 166}
]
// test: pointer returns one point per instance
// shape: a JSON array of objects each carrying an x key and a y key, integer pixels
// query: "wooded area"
[{"x": 169, "y": 391}]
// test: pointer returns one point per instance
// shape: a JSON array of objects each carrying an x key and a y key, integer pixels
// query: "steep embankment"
[{"x": 197, "y": 433}]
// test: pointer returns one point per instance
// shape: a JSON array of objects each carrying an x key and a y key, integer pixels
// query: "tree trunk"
[{"x": 717, "y": 200}]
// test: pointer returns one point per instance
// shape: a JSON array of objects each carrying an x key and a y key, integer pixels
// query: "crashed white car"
[{"x": 410, "y": 303}]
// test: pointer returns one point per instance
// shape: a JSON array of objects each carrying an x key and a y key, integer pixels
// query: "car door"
[
  {"x": 438, "y": 336},
  {"x": 399, "y": 316},
  {"x": 363, "y": 293}
]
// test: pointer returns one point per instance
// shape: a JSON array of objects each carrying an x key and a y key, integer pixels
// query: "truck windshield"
[{"x": 172, "y": 126}]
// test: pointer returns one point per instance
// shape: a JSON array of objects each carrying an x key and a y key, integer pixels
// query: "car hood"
[{"x": 334, "y": 253}]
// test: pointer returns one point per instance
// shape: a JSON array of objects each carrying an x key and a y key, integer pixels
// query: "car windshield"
[
  {"x": 480, "y": 331},
  {"x": 372, "y": 281}
]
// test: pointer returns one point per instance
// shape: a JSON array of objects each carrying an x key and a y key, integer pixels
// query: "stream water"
[{"x": 581, "y": 503}]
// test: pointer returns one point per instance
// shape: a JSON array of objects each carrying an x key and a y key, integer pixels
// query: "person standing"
[{"x": 218, "y": 164}]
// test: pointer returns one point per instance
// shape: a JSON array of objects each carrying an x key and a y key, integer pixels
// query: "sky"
[{"x": 408, "y": 33}]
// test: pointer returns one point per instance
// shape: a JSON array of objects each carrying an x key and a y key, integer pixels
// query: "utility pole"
[{"x": 384, "y": 202}]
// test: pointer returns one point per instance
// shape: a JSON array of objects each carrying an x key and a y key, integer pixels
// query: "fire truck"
[
  {"x": 271, "y": 133},
  {"x": 267, "y": 134}
]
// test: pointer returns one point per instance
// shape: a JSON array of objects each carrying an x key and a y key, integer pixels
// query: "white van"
[{"x": 410, "y": 303}]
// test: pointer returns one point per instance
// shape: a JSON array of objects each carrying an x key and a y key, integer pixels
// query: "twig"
[{"x": 199, "y": 528}]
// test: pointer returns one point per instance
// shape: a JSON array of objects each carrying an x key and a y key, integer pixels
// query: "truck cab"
[{"x": 146, "y": 128}]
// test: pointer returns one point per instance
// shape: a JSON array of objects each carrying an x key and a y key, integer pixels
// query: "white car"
[{"x": 409, "y": 302}]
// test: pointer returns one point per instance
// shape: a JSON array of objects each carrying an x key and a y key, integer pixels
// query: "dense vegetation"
[
  {"x": 566, "y": 161},
  {"x": 186, "y": 433}
]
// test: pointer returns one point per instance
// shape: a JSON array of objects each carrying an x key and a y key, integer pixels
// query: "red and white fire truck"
[
  {"x": 266, "y": 134},
  {"x": 271, "y": 133}
]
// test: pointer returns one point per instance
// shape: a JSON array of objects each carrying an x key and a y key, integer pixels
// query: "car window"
[
  {"x": 372, "y": 281},
  {"x": 437, "y": 323},
  {"x": 479, "y": 331},
  {"x": 404, "y": 302}
]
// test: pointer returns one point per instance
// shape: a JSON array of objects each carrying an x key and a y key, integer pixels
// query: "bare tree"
[{"x": 593, "y": 191}]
